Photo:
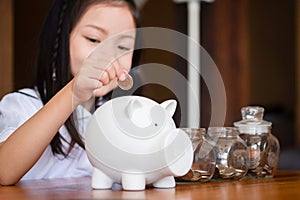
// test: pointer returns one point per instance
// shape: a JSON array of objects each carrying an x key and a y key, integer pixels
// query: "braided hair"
[{"x": 53, "y": 57}]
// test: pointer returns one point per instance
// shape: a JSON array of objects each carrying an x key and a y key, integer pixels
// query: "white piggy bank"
[{"x": 133, "y": 141}]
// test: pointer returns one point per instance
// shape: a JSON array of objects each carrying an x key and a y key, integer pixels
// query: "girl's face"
[{"x": 97, "y": 24}]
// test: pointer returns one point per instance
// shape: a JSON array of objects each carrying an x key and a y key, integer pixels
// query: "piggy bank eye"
[{"x": 158, "y": 114}]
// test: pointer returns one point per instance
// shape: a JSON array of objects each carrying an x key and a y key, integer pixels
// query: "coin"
[{"x": 127, "y": 83}]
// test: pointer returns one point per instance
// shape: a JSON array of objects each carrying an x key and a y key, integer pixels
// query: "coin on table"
[{"x": 127, "y": 83}]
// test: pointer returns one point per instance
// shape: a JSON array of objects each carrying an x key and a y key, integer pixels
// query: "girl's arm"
[{"x": 25, "y": 146}]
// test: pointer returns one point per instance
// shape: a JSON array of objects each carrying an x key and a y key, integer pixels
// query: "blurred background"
[{"x": 255, "y": 45}]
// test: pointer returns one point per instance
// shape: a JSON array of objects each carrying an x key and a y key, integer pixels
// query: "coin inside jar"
[{"x": 127, "y": 83}]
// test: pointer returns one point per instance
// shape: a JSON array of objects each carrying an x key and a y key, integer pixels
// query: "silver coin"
[{"x": 127, "y": 83}]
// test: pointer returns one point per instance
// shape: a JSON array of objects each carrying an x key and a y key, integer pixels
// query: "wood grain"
[{"x": 285, "y": 185}]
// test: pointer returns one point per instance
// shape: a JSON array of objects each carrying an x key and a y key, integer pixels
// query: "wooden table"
[{"x": 286, "y": 185}]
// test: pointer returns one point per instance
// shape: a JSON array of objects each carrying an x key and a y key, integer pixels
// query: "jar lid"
[{"x": 252, "y": 121}]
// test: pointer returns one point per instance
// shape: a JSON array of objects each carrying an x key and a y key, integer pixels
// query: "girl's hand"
[{"x": 97, "y": 76}]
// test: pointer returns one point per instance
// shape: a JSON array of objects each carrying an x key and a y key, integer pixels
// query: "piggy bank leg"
[
  {"x": 101, "y": 180},
  {"x": 133, "y": 182},
  {"x": 167, "y": 182}
]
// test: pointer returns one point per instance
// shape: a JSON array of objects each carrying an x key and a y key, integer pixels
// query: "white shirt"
[{"x": 15, "y": 109}]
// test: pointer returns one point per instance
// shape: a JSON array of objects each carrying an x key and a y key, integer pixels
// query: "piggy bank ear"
[
  {"x": 170, "y": 106},
  {"x": 133, "y": 105}
]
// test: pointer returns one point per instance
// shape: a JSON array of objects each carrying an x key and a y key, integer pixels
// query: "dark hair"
[{"x": 53, "y": 56}]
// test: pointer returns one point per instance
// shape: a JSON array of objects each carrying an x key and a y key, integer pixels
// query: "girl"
[{"x": 38, "y": 136}]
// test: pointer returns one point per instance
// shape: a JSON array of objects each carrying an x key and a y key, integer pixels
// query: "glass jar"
[
  {"x": 263, "y": 146},
  {"x": 231, "y": 151},
  {"x": 204, "y": 162}
]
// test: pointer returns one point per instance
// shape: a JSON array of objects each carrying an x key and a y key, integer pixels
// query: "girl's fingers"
[
  {"x": 103, "y": 90},
  {"x": 111, "y": 70},
  {"x": 119, "y": 70},
  {"x": 104, "y": 77}
]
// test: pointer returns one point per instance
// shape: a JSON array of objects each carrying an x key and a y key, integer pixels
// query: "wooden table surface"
[{"x": 285, "y": 185}]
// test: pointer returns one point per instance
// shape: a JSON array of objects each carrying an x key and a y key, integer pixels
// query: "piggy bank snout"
[{"x": 178, "y": 152}]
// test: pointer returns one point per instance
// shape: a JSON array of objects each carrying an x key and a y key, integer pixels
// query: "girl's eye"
[
  {"x": 123, "y": 48},
  {"x": 92, "y": 40}
]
